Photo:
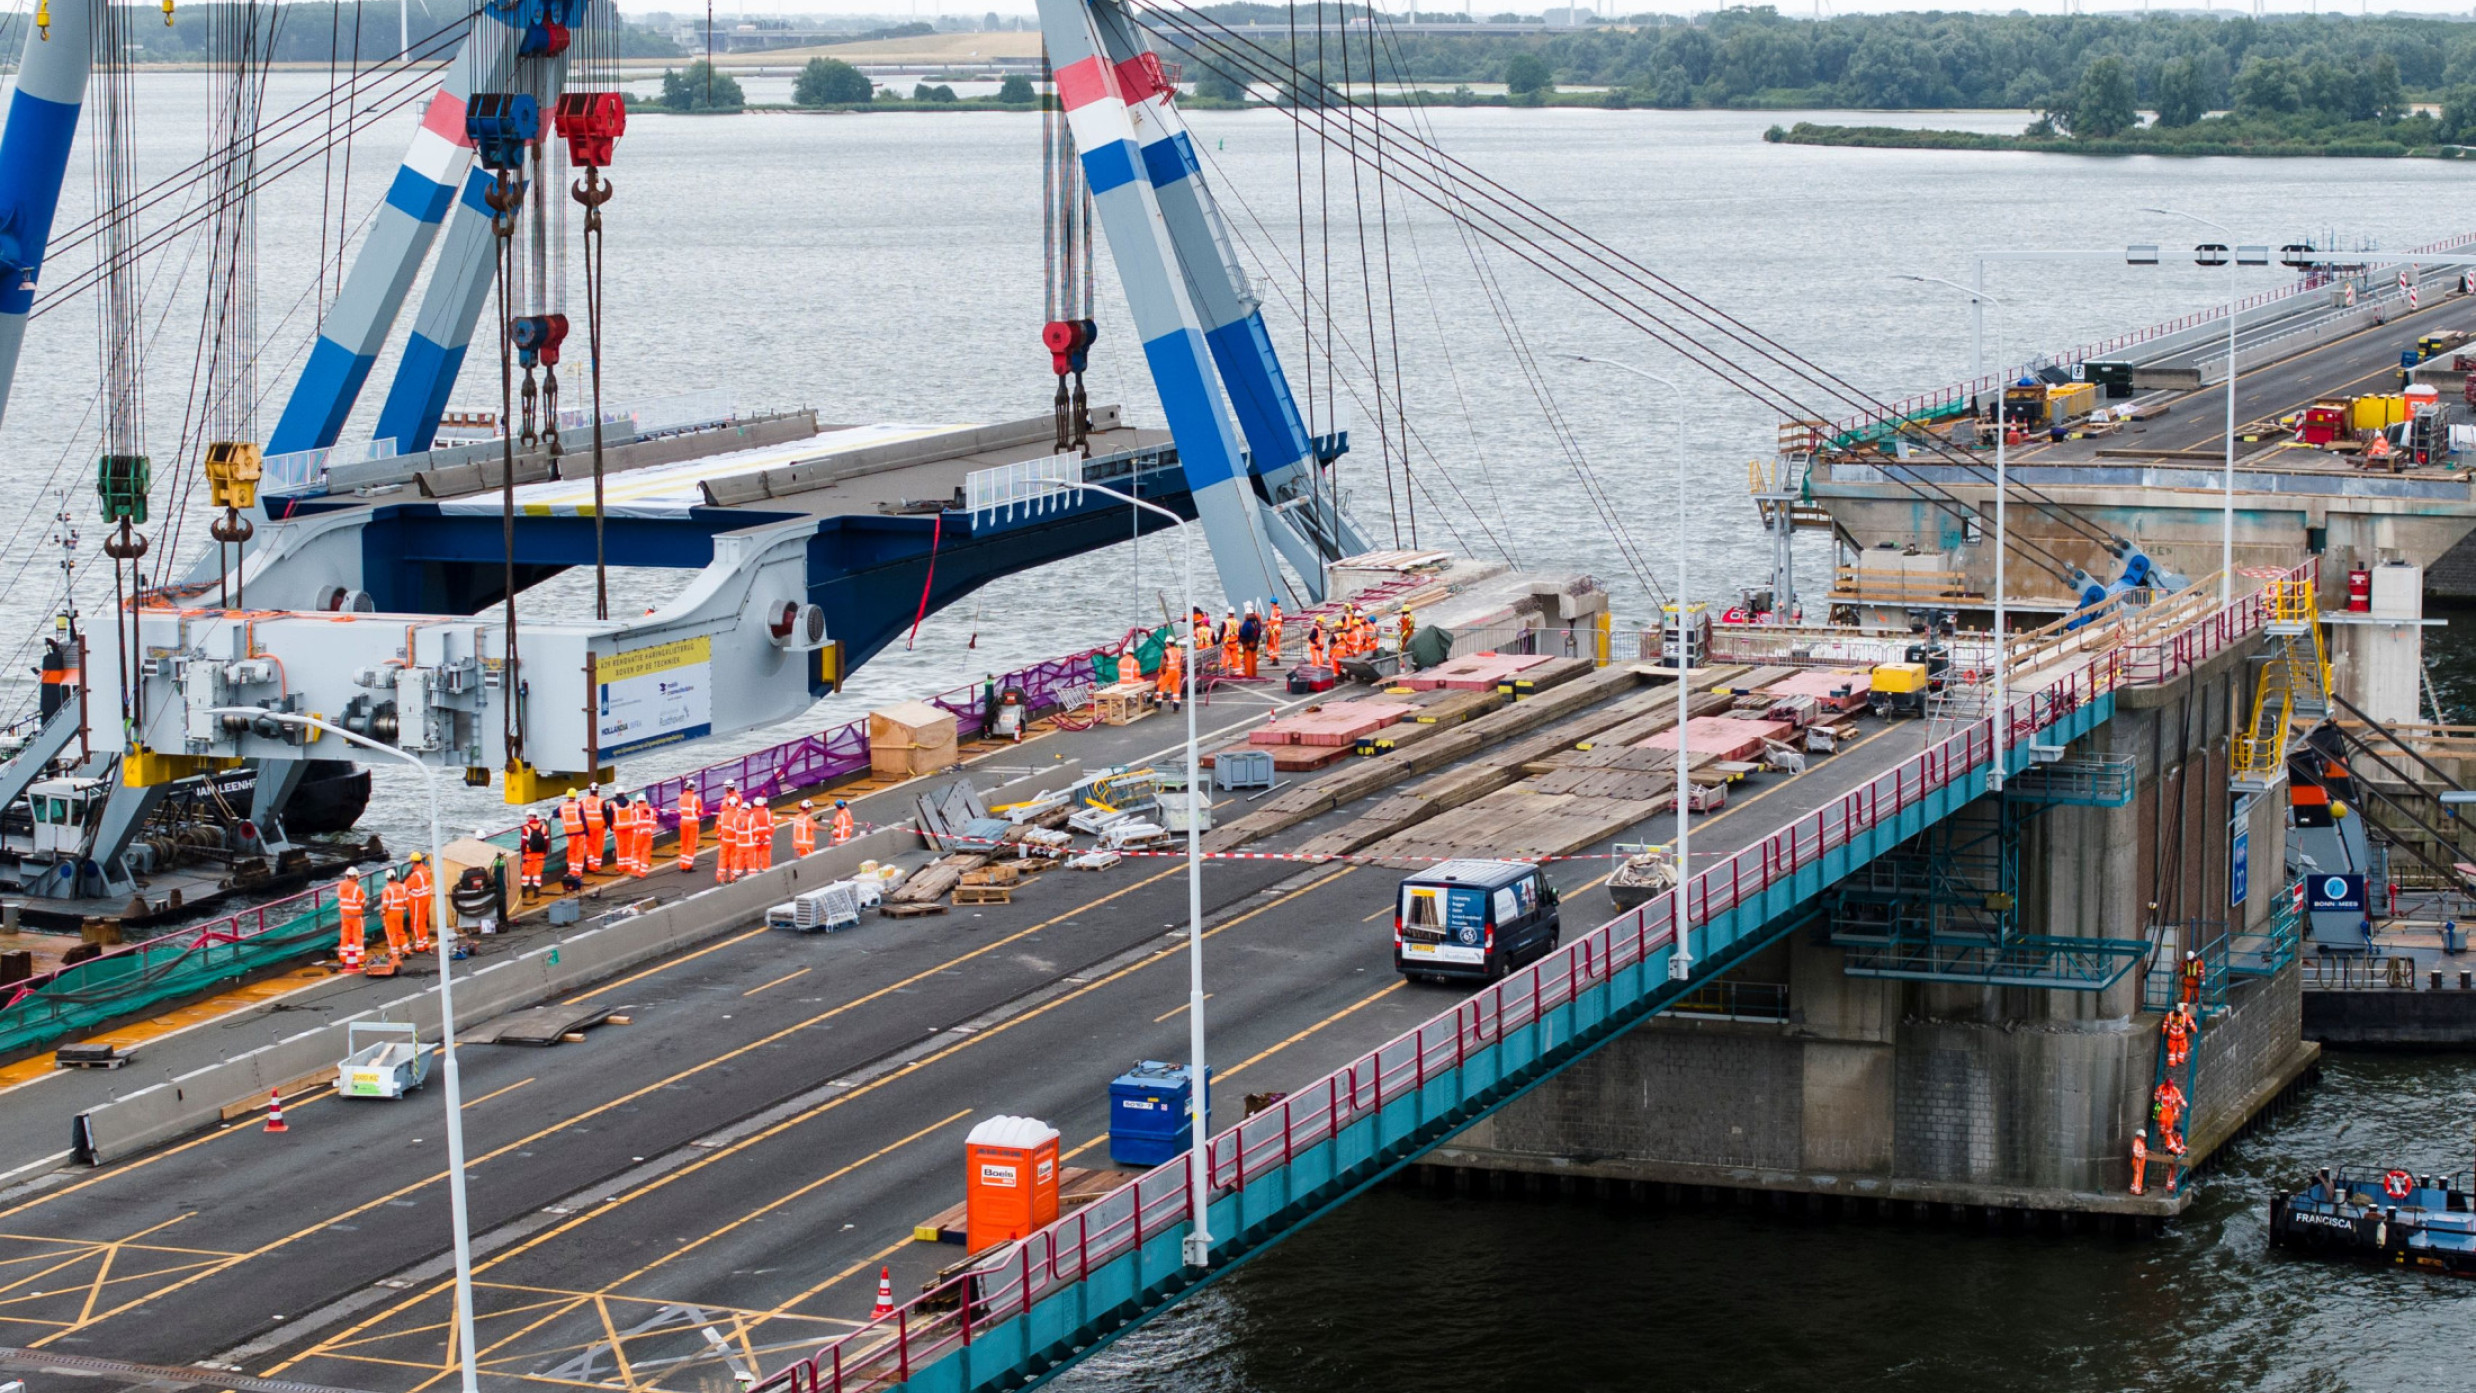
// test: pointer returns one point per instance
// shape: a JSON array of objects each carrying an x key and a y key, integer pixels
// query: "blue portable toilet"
[{"x": 1151, "y": 1113}]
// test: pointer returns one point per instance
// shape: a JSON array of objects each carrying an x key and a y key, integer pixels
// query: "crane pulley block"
[
  {"x": 546, "y": 26},
  {"x": 590, "y": 123},
  {"x": 502, "y": 125},
  {"x": 536, "y": 338},
  {"x": 122, "y": 482},
  {"x": 233, "y": 468},
  {"x": 1069, "y": 342}
]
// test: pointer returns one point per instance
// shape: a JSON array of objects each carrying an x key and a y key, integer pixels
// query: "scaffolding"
[{"x": 1944, "y": 907}]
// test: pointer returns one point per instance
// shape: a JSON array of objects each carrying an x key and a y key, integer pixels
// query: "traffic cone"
[
  {"x": 275, "y": 1111},
  {"x": 885, "y": 1293}
]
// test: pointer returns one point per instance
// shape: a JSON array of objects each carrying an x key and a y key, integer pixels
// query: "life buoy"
[{"x": 2398, "y": 1185}]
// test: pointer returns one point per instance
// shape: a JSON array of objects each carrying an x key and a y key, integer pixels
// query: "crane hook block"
[
  {"x": 591, "y": 123},
  {"x": 167, "y": 14},
  {"x": 233, "y": 468},
  {"x": 122, "y": 481},
  {"x": 501, "y": 125}
]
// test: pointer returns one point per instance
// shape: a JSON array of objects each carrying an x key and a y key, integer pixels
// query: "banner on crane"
[{"x": 654, "y": 696}]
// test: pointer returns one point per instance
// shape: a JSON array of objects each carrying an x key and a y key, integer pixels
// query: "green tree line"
[
  {"x": 2360, "y": 68},
  {"x": 321, "y": 33}
]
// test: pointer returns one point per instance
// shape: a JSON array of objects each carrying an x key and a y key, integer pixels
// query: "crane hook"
[
  {"x": 43, "y": 19},
  {"x": 167, "y": 14}
]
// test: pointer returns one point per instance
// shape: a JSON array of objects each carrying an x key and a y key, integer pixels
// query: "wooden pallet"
[
  {"x": 913, "y": 910},
  {"x": 983, "y": 894}
]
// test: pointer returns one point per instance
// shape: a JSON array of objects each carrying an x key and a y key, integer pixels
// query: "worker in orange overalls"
[
  {"x": 2140, "y": 1158},
  {"x": 1229, "y": 645},
  {"x": 691, "y": 810},
  {"x": 842, "y": 822},
  {"x": 1272, "y": 634},
  {"x": 804, "y": 830},
  {"x": 1319, "y": 648},
  {"x": 393, "y": 915},
  {"x": 648, "y": 827},
  {"x": 1408, "y": 627},
  {"x": 596, "y": 827},
  {"x": 1170, "y": 686},
  {"x": 622, "y": 814},
  {"x": 760, "y": 837},
  {"x": 572, "y": 823},
  {"x": 352, "y": 900},
  {"x": 2189, "y": 978},
  {"x": 726, "y": 816},
  {"x": 532, "y": 853},
  {"x": 2167, "y": 1106},
  {"x": 1250, "y": 640},
  {"x": 2179, "y": 1030},
  {"x": 417, "y": 885}
]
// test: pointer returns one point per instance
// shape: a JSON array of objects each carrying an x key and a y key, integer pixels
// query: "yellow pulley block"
[
  {"x": 233, "y": 468},
  {"x": 167, "y": 14},
  {"x": 43, "y": 19}
]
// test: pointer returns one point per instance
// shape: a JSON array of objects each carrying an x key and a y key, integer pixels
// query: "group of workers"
[
  {"x": 2167, "y": 1101},
  {"x": 622, "y": 827},
  {"x": 1247, "y": 640}
]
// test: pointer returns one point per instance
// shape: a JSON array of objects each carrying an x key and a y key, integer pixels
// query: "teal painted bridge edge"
[{"x": 1084, "y": 1282}]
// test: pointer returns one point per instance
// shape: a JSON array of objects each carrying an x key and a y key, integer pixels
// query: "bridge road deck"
[
  {"x": 761, "y": 1138},
  {"x": 2364, "y": 361}
]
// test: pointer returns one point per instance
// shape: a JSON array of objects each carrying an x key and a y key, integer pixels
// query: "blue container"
[{"x": 1150, "y": 1113}]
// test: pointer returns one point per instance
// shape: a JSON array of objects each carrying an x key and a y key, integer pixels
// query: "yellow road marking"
[
  {"x": 145, "y": 1161},
  {"x": 1363, "y": 1002},
  {"x": 821, "y": 1109},
  {"x": 496, "y": 1092},
  {"x": 663, "y": 967},
  {"x": 802, "y": 972},
  {"x": 1165, "y": 1015}
]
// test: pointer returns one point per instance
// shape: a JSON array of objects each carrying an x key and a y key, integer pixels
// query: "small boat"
[
  {"x": 2388, "y": 1216},
  {"x": 1646, "y": 873}
]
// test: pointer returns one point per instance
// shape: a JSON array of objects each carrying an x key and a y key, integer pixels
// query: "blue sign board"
[
  {"x": 2239, "y": 865},
  {"x": 2337, "y": 893}
]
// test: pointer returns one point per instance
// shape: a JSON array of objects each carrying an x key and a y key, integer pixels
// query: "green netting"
[
  {"x": 1105, "y": 669},
  {"x": 1151, "y": 650}
]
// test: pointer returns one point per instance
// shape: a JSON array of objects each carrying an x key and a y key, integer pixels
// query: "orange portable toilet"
[{"x": 1010, "y": 1180}]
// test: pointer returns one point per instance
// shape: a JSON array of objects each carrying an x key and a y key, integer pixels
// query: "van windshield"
[{"x": 1444, "y": 914}]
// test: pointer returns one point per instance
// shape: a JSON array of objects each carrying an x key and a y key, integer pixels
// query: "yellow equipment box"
[{"x": 1899, "y": 678}]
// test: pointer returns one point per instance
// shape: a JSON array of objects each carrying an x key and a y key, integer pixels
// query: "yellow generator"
[{"x": 1899, "y": 689}]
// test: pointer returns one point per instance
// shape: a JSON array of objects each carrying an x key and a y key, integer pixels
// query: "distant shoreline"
[{"x": 1901, "y": 138}]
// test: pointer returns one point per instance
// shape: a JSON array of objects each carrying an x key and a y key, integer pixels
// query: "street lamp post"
[
  {"x": 1681, "y": 961},
  {"x": 1979, "y": 301},
  {"x": 458, "y": 1217},
  {"x": 2226, "y": 521},
  {"x": 1198, "y": 1246}
]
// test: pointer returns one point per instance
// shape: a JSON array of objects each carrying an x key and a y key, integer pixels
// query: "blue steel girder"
[
  {"x": 1280, "y": 454},
  {"x": 1023, "y": 1318},
  {"x": 34, "y": 156},
  {"x": 1108, "y": 109},
  {"x": 365, "y": 309}
]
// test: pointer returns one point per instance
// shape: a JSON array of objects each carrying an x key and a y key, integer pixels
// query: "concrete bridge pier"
[{"x": 1836, "y": 1069}]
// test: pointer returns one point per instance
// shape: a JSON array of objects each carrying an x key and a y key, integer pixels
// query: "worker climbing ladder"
[{"x": 2293, "y": 685}]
